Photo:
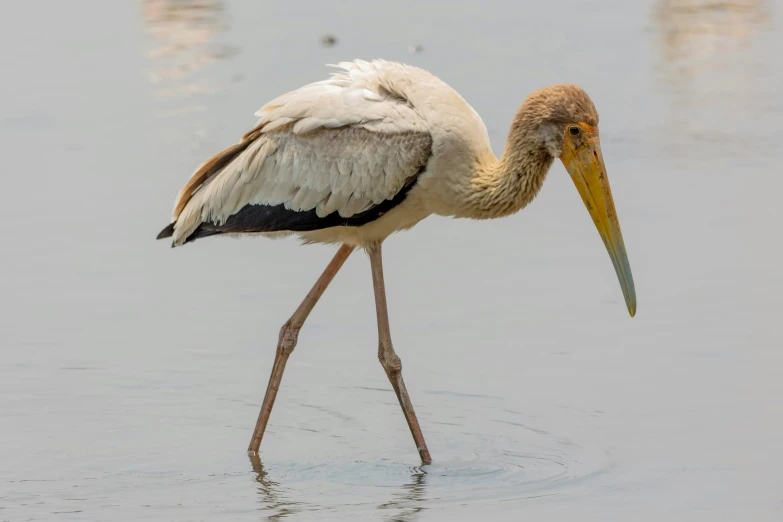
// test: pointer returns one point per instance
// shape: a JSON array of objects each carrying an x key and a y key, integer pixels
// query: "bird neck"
[{"x": 502, "y": 187}]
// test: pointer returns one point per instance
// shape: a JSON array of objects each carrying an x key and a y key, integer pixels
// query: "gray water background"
[{"x": 131, "y": 374}]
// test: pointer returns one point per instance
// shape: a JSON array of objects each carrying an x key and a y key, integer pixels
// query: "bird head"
[{"x": 566, "y": 124}]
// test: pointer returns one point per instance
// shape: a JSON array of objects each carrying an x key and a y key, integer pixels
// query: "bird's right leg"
[
  {"x": 287, "y": 342},
  {"x": 390, "y": 361}
]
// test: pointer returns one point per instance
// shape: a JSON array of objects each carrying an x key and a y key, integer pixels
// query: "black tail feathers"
[{"x": 166, "y": 232}]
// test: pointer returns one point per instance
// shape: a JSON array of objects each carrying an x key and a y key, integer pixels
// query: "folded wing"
[{"x": 338, "y": 152}]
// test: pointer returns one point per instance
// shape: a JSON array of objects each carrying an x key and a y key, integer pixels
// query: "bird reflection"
[
  {"x": 694, "y": 35},
  {"x": 186, "y": 41},
  {"x": 707, "y": 67},
  {"x": 186, "y": 33},
  {"x": 404, "y": 506}
]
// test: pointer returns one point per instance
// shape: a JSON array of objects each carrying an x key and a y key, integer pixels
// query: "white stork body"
[
  {"x": 345, "y": 145},
  {"x": 375, "y": 149}
]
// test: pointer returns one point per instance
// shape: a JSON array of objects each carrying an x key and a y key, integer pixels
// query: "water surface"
[{"x": 131, "y": 374}]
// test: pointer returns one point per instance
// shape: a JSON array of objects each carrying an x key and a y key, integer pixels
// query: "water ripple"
[{"x": 517, "y": 461}]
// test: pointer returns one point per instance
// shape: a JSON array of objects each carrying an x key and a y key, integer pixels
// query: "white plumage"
[
  {"x": 342, "y": 145},
  {"x": 373, "y": 150}
]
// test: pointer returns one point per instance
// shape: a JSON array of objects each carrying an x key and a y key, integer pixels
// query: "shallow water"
[{"x": 131, "y": 374}]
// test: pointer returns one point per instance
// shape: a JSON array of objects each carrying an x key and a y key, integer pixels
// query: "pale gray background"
[{"x": 131, "y": 374}]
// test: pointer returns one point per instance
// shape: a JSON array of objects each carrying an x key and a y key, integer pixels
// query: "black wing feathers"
[{"x": 268, "y": 218}]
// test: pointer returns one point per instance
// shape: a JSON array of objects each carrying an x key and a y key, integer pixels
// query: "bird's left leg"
[
  {"x": 287, "y": 342},
  {"x": 390, "y": 361}
]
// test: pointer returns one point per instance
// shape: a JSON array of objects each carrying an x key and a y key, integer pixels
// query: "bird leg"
[
  {"x": 287, "y": 342},
  {"x": 391, "y": 363}
]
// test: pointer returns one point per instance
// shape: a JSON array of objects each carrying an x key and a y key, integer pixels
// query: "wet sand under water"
[{"x": 131, "y": 375}]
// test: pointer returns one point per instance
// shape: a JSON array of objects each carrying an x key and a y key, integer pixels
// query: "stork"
[{"x": 372, "y": 150}]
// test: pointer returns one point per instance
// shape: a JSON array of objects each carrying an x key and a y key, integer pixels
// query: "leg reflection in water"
[
  {"x": 408, "y": 502},
  {"x": 405, "y": 505},
  {"x": 269, "y": 491}
]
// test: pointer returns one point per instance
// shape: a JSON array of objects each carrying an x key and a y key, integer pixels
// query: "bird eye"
[{"x": 574, "y": 130}]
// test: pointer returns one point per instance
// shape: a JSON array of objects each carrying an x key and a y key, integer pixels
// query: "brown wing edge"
[
  {"x": 264, "y": 218},
  {"x": 210, "y": 167}
]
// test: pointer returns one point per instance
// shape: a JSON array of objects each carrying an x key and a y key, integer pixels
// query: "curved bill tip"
[
  {"x": 583, "y": 159},
  {"x": 613, "y": 240},
  {"x": 630, "y": 296}
]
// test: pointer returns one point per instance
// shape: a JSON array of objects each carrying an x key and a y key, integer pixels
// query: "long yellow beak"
[{"x": 583, "y": 159}]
